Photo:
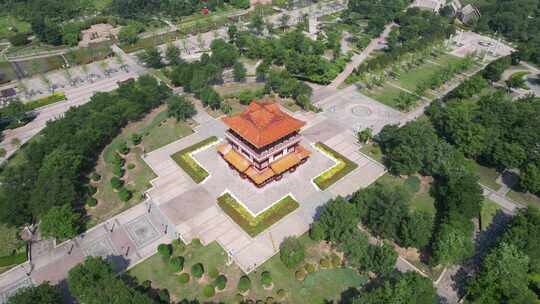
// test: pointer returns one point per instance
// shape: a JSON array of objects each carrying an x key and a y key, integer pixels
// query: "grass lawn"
[
  {"x": 488, "y": 176},
  {"x": 386, "y": 94},
  {"x": 527, "y": 199},
  {"x": 151, "y": 41},
  {"x": 372, "y": 150},
  {"x": 188, "y": 164},
  {"x": 409, "y": 80},
  {"x": 320, "y": 286},
  {"x": 7, "y": 22},
  {"x": 255, "y": 225},
  {"x": 157, "y": 130},
  {"x": 421, "y": 200},
  {"x": 343, "y": 167},
  {"x": 489, "y": 209},
  {"x": 234, "y": 88}
]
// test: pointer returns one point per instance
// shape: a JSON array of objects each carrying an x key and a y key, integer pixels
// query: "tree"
[
  {"x": 458, "y": 192},
  {"x": 129, "y": 34},
  {"x": 416, "y": 229},
  {"x": 220, "y": 282},
  {"x": 453, "y": 241},
  {"x": 94, "y": 282},
  {"x": 355, "y": 248},
  {"x": 382, "y": 259},
  {"x": 172, "y": 54},
  {"x": 44, "y": 293},
  {"x": 530, "y": 177},
  {"x": 180, "y": 108},
  {"x": 494, "y": 70},
  {"x": 223, "y": 53},
  {"x": 210, "y": 98},
  {"x": 365, "y": 135},
  {"x": 284, "y": 21},
  {"x": 503, "y": 278},
  {"x": 243, "y": 4},
  {"x": 338, "y": 219},
  {"x": 19, "y": 39},
  {"x": 266, "y": 278},
  {"x": 60, "y": 223},
  {"x": 151, "y": 56},
  {"x": 232, "y": 32},
  {"x": 165, "y": 250},
  {"x": 197, "y": 270},
  {"x": 239, "y": 71},
  {"x": 244, "y": 284},
  {"x": 256, "y": 23},
  {"x": 407, "y": 287},
  {"x": 291, "y": 252}
]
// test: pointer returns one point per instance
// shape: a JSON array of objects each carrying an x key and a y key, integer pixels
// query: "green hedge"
[
  {"x": 188, "y": 164},
  {"x": 47, "y": 100},
  {"x": 255, "y": 225},
  {"x": 14, "y": 259},
  {"x": 342, "y": 168}
]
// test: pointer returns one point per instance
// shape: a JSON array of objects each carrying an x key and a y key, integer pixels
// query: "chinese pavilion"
[{"x": 263, "y": 143}]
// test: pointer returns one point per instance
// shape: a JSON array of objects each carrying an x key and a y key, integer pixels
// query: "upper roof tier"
[{"x": 263, "y": 123}]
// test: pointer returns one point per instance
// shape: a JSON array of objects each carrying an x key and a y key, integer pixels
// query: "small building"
[
  {"x": 469, "y": 14},
  {"x": 98, "y": 33},
  {"x": 263, "y": 143}
]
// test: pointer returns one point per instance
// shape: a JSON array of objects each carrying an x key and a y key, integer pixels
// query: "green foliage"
[
  {"x": 220, "y": 282},
  {"x": 291, "y": 252},
  {"x": 188, "y": 164},
  {"x": 324, "y": 263},
  {"x": 91, "y": 201},
  {"x": 176, "y": 264},
  {"x": 95, "y": 282},
  {"x": 365, "y": 135},
  {"x": 338, "y": 219},
  {"x": 317, "y": 231},
  {"x": 223, "y": 53},
  {"x": 452, "y": 241},
  {"x": 124, "y": 194},
  {"x": 44, "y": 293},
  {"x": 180, "y": 108},
  {"x": 336, "y": 260},
  {"x": 19, "y": 39},
  {"x": 172, "y": 54},
  {"x": 10, "y": 240},
  {"x": 60, "y": 223},
  {"x": 412, "y": 183},
  {"x": 197, "y": 270},
  {"x": 165, "y": 251},
  {"x": 183, "y": 278},
  {"x": 95, "y": 177},
  {"x": 209, "y": 291},
  {"x": 244, "y": 284},
  {"x": 151, "y": 56},
  {"x": 382, "y": 259},
  {"x": 116, "y": 183},
  {"x": 416, "y": 229},
  {"x": 131, "y": 166},
  {"x": 266, "y": 278},
  {"x": 135, "y": 138},
  {"x": 239, "y": 71},
  {"x": 310, "y": 267},
  {"x": 494, "y": 70},
  {"x": 213, "y": 273},
  {"x": 129, "y": 34},
  {"x": 407, "y": 287}
]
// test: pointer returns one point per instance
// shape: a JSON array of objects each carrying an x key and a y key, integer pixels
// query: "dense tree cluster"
[
  {"x": 44, "y": 293},
  {"x": 53, "y": 169},
  {"x": 496, "y": 131},
  {"x": 418, "y": 30},
  {"x": 284, "y": 84},
  {"x": 378, "y": 12},
  {"x": 510, "y": 271},
  {"x": 517, "y": 20}
]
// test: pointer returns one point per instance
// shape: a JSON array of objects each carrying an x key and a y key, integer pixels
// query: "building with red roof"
[{"x": 263, "y": 142}]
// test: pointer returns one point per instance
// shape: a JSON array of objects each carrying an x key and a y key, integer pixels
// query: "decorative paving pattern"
[
  {"x": 141, "y": 231},
  {"x": 102, "y": 247},
  {"x": 11, "y": 289}
]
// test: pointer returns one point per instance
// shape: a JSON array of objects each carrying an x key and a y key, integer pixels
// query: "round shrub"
[
  {"x": 220, "y": 282},
  {"x": 300, "y": 274},
  {"x": 244, "y": 284},
  {"x": 291, "y": 252},
  {"x": 136, "y": 138},
  {"x": 281, "y": 294},
  {"x": 123, "y": 148},
  {"x": 19, "y": 39},
  {"x": 95, "y": 177},
  {"x": 412, "y": 183},
  {"x": 176, "y": 264},
  {"x": 91, "y": 190},
  {"x": 310, "y": 267},
  {"x": 124, "y": 194},
  {"x": 336, "y": 260},
  {"x": 317, "y": 232},
  {"x": 131, "y": 166},
  {"x": 213, "y": 272},
  {"x": 118, "y": 160},
  {"x": 164, "y": 250},
  {"x": 118, "y": 170},
  {"x": 209, "y": 291},
  {"x": 266, "y": 278},
  {"x": 197, "y": 270},
  {"x": 325, "y": 263},
  {"x": 116, "y": 183},
  {"x": 90, "y": 201},
  {"x": 183, "y": 278}
]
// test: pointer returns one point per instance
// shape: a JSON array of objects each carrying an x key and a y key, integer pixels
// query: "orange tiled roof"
[
  {"x": 263, "y": 123},
  {"x": 285, "y": 163}
]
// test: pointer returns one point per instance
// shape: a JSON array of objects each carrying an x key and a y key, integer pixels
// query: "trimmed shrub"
[
  {"x": 95, "y": 177},
  {"x": 165, "y": 251},
  {"x": 209, "y": 291},
  {"x": 310, "y": 267},
  {"x": 118, "y": 160},
  {"x": 124, "y": 194},
  {"x": 116, "y": 183},
  {"x": 300, "y": 274},
  {"x": 123, "y": 149},
  {"x": 91, "y": 190},
  {"x": 220, "y": 282},
  {"x": 291, "y": 252},
  {"x": 131, "y": 166},
  {"x": 412, "y": 183},
  {"x": 281, "y": 294},
  {"x": 325, "y": 263},
  {"x": 183, "y": 278},
  {"x": 244, "y": 284},
  {"x": 213, "y": 273},
  {"x": 336, "y": 260},
  {"x": 266, "y": 278},
  {"x": 90, "y": 201},
  {"x": 316, "y": 232},
  {"x": 118, "y": 171},
  {"x": 197, "y": 270},
  {"x": 176, "y": 264},
  {"x": 136, "y": 138}
]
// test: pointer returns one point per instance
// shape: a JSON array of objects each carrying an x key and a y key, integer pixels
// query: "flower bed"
[
  {"x": 188, "y": 164},
  {"x": 255, "y": 225},
  {"x": 343, "y": 167}
]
